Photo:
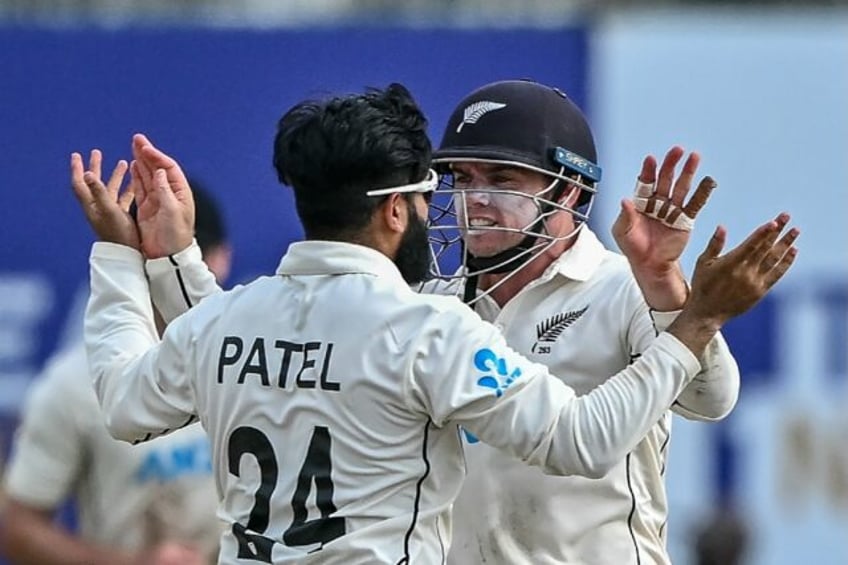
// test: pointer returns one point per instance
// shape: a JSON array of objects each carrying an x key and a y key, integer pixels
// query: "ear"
[
  {"x": 572, "y": 192},
  {"x": 395, "y": 213}
]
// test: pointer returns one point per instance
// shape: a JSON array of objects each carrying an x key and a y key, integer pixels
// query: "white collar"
[
  {"x": 318, "y": 257},
  {"x": 580, "y": 261}
]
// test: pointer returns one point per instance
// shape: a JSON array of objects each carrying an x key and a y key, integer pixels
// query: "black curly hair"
[{"x": 331, "y": 152}]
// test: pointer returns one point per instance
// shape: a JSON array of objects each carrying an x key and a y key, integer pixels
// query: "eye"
[
  {"x": 461, "y": 181},
  {"x": 503, "y": 181}
]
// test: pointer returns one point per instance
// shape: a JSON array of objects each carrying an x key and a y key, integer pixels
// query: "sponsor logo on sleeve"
[{"x": 497, "y": 374}]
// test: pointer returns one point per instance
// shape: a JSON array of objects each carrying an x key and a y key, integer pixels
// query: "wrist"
[
  {"x": 695, "y": 330},
  {"x": 699, "y": 321},
  {"x": 665, "y": 289}
]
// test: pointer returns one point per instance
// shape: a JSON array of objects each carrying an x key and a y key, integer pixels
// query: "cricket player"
[
  {"x": 333, "y": 394},
  {"x": 518, "y": 161}
]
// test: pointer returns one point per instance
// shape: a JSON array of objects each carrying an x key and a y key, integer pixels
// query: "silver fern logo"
[
  {"x": 476, "y": 111},
  {"x": 549, "y": 330}
]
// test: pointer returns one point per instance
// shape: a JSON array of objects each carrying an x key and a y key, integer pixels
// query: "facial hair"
[{"x": 413, "y": 254}]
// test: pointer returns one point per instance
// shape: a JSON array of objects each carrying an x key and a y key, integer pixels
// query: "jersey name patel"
[{"x": 301, "y": 365}]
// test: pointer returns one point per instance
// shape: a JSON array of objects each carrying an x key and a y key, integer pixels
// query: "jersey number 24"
[{"x": 317, "y": 466}]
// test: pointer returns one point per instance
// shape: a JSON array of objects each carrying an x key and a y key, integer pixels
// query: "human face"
[
  {"x": 494, "y": 205},
  {"x": 413, "y": 254}
]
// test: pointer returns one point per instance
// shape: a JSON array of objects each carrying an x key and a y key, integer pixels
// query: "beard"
[{"x": 413, "y": 254}]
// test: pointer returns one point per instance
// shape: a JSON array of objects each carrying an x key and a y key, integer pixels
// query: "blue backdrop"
[{"x": 212, "y": 99}]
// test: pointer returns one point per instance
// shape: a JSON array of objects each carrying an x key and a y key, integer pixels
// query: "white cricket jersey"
[
  {"x": 332, "y": 394},
  {"x": 129, "y": 497},
  {"x": 585, "y": 318}
]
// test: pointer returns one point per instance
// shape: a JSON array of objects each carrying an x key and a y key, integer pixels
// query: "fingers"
[
  {"x": 81, "y": 190},
  {"x": 145, "y": 176},
  {"x": 767, "y": 242},
  {"x": 648, "y": 174},
  {"x": 98, "y": 190},
  {"x": 667, "y": 170},
  {"x": 715, "y": 245},
  {"x": 755, "y": 240},
  {"x": 151, "y": 158},
  {"x": 626, "y": 218},
  {"x": 779, "y": 250},
  {"x": 139, "y": 188},
  {"x": 759, "y": 243},
  {"x": 127, "y": 196},
  {"x": 166, "y": 195},
  {"x": 117, "y": 177},
  {"x": 684, "y": 181},
  {"x": 700, "y": 197},
  {"x": 156, "y": 158},
  {"x": 782, "y": 267},
  {"x": 94, "y": 162}
]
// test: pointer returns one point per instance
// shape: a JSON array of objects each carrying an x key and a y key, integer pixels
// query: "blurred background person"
[{"x": 151, "y": 504}]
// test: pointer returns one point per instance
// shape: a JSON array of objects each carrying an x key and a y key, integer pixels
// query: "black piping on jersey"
[
  {"x": 662, "y": 471},
  {"x": 405, "y": 559},
  {"x": 149, "y": 435},
  {"x": 662, "y": 527},
  {"x": 632, "y": 512},
  {"x": 439, "y": 535},
  {"x": 180, "y": 280},
  {"x": 663, "y": 453}
]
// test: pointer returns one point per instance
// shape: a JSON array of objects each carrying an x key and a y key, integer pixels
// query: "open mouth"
[{"x": 479, "y": 223}]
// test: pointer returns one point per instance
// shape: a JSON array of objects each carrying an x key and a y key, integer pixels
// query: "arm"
[
  {"x": 179, "y": 278},
  {"x": 144, "y": 387},
  {"x": 713, "y": 392},
  {"x": 179, "y": 281},
  {"x": 540, "y": 420},
  {"x": 30, "y": 536},
  {"x": 518, "y": 407},
  {"x": 653, "y": 229}
]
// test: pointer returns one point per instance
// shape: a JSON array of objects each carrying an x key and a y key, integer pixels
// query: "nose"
[{"x": 475, "y": 197}]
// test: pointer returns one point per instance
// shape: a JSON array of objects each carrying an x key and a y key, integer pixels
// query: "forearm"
[
  {"x": 141, "y": 384},
  {"x": 713, "y": 392},
  {"x": 664, "y": 290},
  {"x": 31, "y": 538},
  {"x": 608, "y": 422},
  {"x": 694, "y": 331},
  {"x": 179, "y": 281},
  {"x": 118, "y": 323}
]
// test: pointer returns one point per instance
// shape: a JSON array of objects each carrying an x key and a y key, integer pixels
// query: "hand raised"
[
  {"x": 105, "y": 207},
  {"x": 725, "y": 286},
  {"x": 653, "y": 229},
  {"x": 165, "y": 202}
]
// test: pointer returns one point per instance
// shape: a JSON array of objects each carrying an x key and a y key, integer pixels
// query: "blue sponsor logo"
[
  {"x": 498, "y": 376},
  {"x": 469, "y": 437},
  {"x": 175, "y": 461}
]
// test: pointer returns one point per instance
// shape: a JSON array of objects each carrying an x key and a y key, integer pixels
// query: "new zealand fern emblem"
[
  {"x": 549, "y": 330},
  {"x": 476, "y": 111}
]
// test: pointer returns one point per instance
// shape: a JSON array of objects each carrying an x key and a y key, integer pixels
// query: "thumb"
[
  {"x": 626, "y": 217},
  {"x": 716, "y": 244}
]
